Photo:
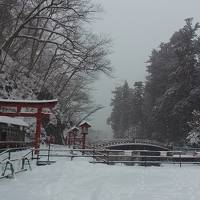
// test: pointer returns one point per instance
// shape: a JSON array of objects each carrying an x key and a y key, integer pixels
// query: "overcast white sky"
[{"x": 136, "y": 27}]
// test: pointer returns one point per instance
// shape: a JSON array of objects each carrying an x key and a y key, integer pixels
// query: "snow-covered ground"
[{"x": 80, "y": 180}]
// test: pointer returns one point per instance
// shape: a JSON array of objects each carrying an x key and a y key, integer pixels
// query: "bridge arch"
[
  {"x": 132, "y": 144},
  {"x": 137, "y": 146}
]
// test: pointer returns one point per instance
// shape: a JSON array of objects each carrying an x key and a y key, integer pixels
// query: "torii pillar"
[{"x": 17, "y": 106}]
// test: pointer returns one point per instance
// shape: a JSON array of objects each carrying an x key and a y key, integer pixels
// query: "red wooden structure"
[
  {"x": 69, "y": 137},
  {"x": 72, "y": 136},
  {"x": 15, "y": 108},
  {"x": 84, "y": 131},
  {"x": 72, "y": 133},
  {"x": 75, "y": 132}
]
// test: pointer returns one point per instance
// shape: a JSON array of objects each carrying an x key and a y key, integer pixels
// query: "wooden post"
[
  {"x": 69, "y": 140},
  {"x": 9, "y": 155},
  {"x": 38, "y": 130},
  {"x": 74, "y": 138},
  {"x": 83, "y": 141},
  {"x": 49, "y": 151},
  {"x": 32, "y": 154},
  {"x": 38, "y": 157},
  {"x": 93, "y": 152},
  {"x": 23, "y": 163},
  {"x": 145, "y": 161},
  {"x": 72, "y": 153},
  {"x": 74, "y": 132},
  {"x": 108, "y": 157},
  {"x": 66, "y": 140},
  {"x": 18, "y": 109}
]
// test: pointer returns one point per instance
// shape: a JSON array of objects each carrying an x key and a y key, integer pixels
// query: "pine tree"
[
  {"x": 119, "y": 119},
  {"x": 172, "y": 89},
  {"x": 127, "y": 116}
]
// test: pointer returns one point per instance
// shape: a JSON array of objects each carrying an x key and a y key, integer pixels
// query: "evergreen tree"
[
  {"x": 119, "y": 119},
  {"x": 136, "y": 110},
  {"x": 126, "y": 117},
  {"x": 172, "y": 90}
]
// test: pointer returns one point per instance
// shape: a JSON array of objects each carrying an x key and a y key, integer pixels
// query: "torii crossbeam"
[{"x": 17, "y": 107}]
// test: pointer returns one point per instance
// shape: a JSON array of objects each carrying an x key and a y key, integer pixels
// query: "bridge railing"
[
  {"x": 125, "y": 141},
  {"x": 133, "y": 157}
]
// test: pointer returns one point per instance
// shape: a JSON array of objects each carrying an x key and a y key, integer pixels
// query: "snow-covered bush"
[{"x": 193, "y": 137}]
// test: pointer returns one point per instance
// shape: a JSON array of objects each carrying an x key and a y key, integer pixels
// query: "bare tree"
[{"x": 52, "y": 54}]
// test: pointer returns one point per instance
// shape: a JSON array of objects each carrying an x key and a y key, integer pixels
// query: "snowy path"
[{"x": 80, "y": 180}]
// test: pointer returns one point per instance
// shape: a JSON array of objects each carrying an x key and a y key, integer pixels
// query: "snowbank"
[{"x": 80, "y": 180}]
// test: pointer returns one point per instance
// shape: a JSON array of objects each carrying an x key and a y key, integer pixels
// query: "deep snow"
[{"x": 80, "y": 180}]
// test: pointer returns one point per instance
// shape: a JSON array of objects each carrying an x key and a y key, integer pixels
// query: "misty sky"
[{"x": 136, "y": 27}]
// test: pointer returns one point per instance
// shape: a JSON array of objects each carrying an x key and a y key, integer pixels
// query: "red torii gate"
[{"x": 17, "y": 105}]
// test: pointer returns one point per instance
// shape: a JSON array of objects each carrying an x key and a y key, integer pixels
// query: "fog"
[{"x": 136, "y": 27}]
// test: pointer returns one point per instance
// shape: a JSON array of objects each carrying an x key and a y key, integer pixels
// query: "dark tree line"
[
  {"x": 126, "y": 117},
  {"x": 171, "y": 91}
]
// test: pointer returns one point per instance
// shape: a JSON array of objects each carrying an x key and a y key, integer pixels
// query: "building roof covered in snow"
[
  {"x": 85, "y": 123},
  {"x": 12, "y": 120}
]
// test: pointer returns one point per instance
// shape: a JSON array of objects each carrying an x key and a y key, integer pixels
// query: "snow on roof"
[
  {"x": 27, "y": 101},
  {"x": 74, "y": 128},
  {"x": 85, "y": 122},
  {"x": 12, "y": 120}
]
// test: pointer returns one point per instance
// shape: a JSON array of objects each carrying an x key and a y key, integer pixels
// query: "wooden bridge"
[{"x": 131, "y": 144}]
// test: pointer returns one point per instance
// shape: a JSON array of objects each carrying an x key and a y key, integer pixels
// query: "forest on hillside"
[
  {"x": 47, "y": 51},
  {"x": 167, "y": 106}
]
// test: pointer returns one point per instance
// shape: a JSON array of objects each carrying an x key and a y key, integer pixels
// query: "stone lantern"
[{"x": 84, "y": 131}]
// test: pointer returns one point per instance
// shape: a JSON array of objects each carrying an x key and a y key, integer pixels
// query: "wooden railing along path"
[
  {"x": 11, "y": 163},
  {"x": 9, "y": 160},
  {"x": 140, "y": 157}
]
